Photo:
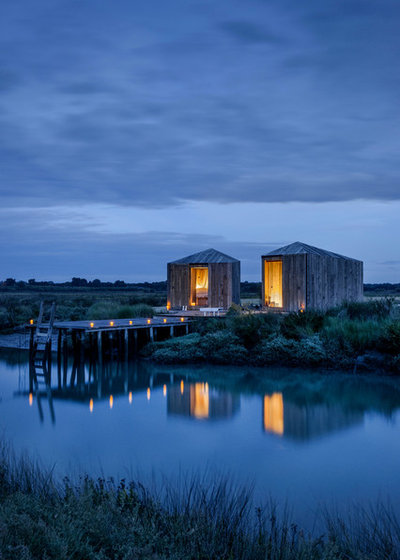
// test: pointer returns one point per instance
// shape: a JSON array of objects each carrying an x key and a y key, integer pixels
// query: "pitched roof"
[
  {"x": 205, "y": 257},
  {"x": 298, "y": 248}
]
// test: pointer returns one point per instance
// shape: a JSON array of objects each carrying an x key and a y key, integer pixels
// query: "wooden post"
[
  {"x": 59, "y": 353},
  {"x": 135, "y": 337},
  {"x": 151, "y": 333},
  {"x": 171, "y": 331},
  {"x": 100, "y": 349},
  {"x": 126, "y": 344},
  {"x": 65, "y": 359}
]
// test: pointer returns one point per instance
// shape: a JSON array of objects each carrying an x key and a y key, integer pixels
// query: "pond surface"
[{"x": 304, "y": 437}]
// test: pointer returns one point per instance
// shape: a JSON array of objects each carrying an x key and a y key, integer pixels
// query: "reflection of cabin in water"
[
  {"x": 300, "y": 276},
  {"x": 205, "y": 279},
  {"x": 197, "y": 400},
  {"x": 285, "y": 418}
]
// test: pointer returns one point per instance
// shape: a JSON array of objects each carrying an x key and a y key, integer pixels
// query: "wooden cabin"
[
  {"x": 205, "y": 279},
  {"x": 299, "y": 276}
]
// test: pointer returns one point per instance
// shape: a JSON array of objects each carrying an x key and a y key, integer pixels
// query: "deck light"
[
  {"x": 165, "y": 320},
  {"x": 31, "y": 321},
  {"x": 148, "y": 393},
  {"x": 91, "y": 405},
  {"x": 111, "y": 323},
  {"x": 130, "y": 397},
  {"x": 164, "y": 390},
  {"x": 148, "y": 321},
  {"x": 130, "y": 322},
  {"x": 111, "y": 401},
  {"x": 92, "y": 325},
  {"x": 30, "y": 399},
  {"x": 182, "y": 319}
]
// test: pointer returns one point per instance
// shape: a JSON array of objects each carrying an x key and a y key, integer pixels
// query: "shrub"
[
  {"x": 110, "y": 310},
  {"x": 375, "y": 309},
  {"x": 390, "y": 338},
  {"x": 302, "y": 324},
  {"x": 307, "y": 352},
  {"x": 138, "y": 310},
  {"x": 251, "y": 329},
  {"x": 221, "y": 347},
  {"x": 351, "y": 336}
]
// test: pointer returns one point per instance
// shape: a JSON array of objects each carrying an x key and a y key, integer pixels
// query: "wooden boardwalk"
[{"x": 127, "y": 334}]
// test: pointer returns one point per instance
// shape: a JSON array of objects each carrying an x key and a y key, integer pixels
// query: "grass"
[{"x": 199, "y": 519}]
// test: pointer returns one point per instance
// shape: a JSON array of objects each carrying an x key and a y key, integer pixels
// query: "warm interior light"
[
  {"x": 130, "y": 397},
  {"x": 31, "y": 321},
  {"x": 273, "y": 413},
  {"x": 92, "y": 325},
  {"x": 182, "y": 386},
  {"x": 111, "y": 323},
  {"x": 148, "y": 393},
  {"x": 199, "y": 286},
  {"x": 111, "y": 401},
  {"x": 91, "y": 405},
  {"x": 168, "y": 306},
  {"x": 30, "y": 399},
  {"x": 273, "y": 283},
  {"x": 164, "y": 390}
]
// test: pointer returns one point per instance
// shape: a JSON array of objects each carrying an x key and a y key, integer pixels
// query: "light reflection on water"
[{"x": 304, "y": 437}]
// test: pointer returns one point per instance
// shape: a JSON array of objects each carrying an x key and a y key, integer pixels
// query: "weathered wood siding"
[
  {"x": 317, "y": 282},
  {"x": 223, "y": 284},
  {"x": 178, "y": 280},
  {"x": 331, "y": 281}
]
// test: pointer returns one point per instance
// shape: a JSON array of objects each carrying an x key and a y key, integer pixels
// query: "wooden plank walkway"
[{"x": 117, "y": 324}]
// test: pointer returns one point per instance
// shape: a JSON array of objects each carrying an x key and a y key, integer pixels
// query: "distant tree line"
[
  {"x": 248, "y": 289},
  {"x": 382, "y": 289},
  {"x": 77, "y": 282}
]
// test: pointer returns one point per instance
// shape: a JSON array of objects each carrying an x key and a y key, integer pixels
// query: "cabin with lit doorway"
[
  {"x": 299, "y": 276},
  {"x": 206, "y": 279}
]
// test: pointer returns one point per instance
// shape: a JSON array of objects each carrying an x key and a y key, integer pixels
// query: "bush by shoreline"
[{"x": 355, "y": 336}]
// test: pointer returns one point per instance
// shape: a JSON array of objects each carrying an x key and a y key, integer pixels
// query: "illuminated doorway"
[
  {"x": 273, "y": 284},
  {"x": 199, "y": 286}
]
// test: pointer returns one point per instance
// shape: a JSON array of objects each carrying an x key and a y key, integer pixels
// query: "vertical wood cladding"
[
  {"x": 315, "y": 281},
  {"x": 223, "y": 284}
]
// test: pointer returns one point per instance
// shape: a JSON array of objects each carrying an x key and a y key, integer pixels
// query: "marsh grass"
[{"x": 200, "y": 518}]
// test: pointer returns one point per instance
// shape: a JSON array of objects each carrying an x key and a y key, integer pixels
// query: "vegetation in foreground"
[
  {"x": 356, "y": 336},
  {"x": 99, "y": 519}
]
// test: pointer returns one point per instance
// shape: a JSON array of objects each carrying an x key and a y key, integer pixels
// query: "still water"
[{"x": 302, "y": 437}]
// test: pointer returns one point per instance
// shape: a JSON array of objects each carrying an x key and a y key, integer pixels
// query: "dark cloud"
[
  {"x": 249, "y": 32},
  {"x": 150, "y": 103},
  {"x": 59, "y": 252}
]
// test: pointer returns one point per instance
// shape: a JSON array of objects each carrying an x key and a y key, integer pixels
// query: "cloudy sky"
[{"x": 133, "y": 133}]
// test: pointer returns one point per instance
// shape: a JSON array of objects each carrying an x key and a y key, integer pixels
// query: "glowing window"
[
  {"x": 273, "y": 283},
  {"x": 199, "y": 286}
]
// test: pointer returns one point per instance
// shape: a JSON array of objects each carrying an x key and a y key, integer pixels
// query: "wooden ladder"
[{"x": 40, "y": 358}]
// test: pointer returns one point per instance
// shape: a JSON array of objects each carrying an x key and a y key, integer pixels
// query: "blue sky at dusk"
[{"x": 134, "y": 133}]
